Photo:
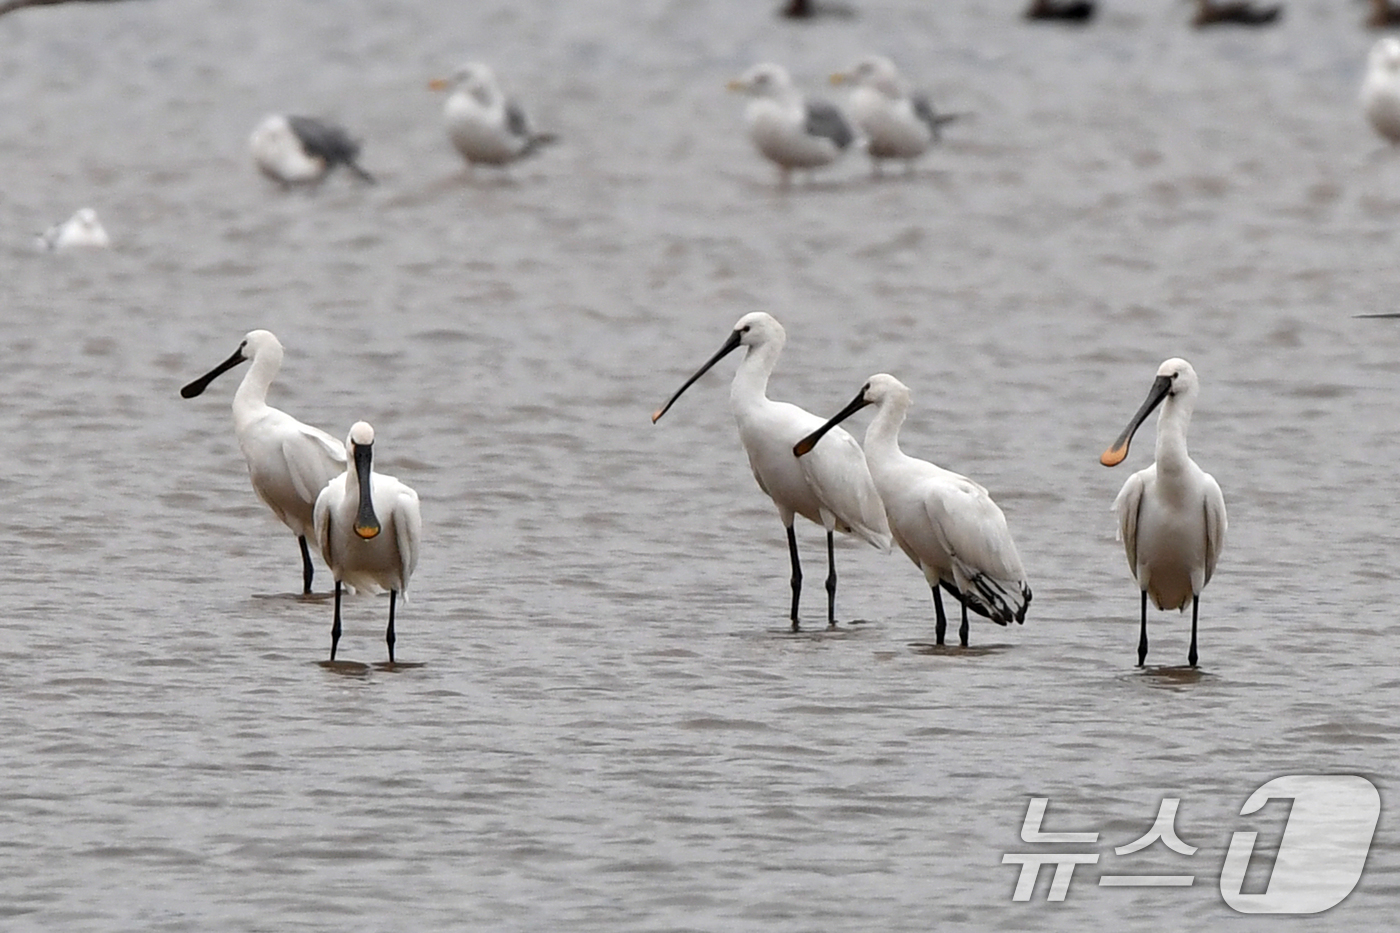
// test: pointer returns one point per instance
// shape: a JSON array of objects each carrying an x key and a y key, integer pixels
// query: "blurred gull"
[
  {"x": 1234, "y": 13},
  {"x": 485, "y": 125},
  {"x": 300, "y": 150},
  {"x": 82, "y": 229},
  {"x": 898, "y": 123},
  {"x": 790, "y": 130},
  {"x": 1380, "y": 91},
  {"x": 1065, "y": 11}
]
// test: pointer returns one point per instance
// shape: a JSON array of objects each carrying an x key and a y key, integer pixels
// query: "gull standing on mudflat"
[
  {"x": 485, "y": 125},
  {"x": 301, "y": 150},
  {"x": 1171, "y": 516},
  {"x": 947, "y": 524},
  {"x": 1380, "y": 90},
  {"x": 368, "y": 527},
  {"x": 833, "y": 490},
  {"x": 898, "y": 122},
  {"x": 792, "y": 131},
  {"x": 289, "y": 462},
  {"x": 82, "y": 229}
]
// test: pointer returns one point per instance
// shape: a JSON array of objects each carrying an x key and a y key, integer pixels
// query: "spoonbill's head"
[
  {"x": 873, "y": 71},
  {"x": 1176, "y": 379},
  {"x": 763, "y": 80},
  {"x": 474, "y": 78},
  {"x": 879, "y": 389},
  {"x": 1385, "y": 56},
  {"x": 755, "y": 329},
  {"x": 254, "y": 342},
  {"x": 359, "y": 450}
]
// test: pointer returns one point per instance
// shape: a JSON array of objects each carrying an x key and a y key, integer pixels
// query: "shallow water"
[{"x": 602, "y": 721}]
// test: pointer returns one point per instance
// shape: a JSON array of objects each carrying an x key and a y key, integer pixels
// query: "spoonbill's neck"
[
  {"x": 1171, "y": 455},
  {"x": 251, "y": 396},
  {"x": 882, "y": 437},
  {"x": 750, "y": 386}
]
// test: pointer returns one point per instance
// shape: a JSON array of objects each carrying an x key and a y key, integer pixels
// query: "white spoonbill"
[
  {"x": 1171, "y": 516},
  {"x": 82, "y": 229},
  {"x": 484, "y": 124},
  {"x": 1380, "y": 90},
  {"x": 368, "y": 527},
  {"x": 790, "y": 130},
  {"x": 947, "y": 524},
  {"x": 288, "y": 462},
  {"x": 834, "y": 489},
  {"x": 898, "y": 122},
  {"x": 302, "y": 150}
]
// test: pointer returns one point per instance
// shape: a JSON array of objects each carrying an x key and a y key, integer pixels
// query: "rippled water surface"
[{"x": 604, "y": 723}]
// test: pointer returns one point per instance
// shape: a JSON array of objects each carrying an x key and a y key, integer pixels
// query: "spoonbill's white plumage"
[
  {"x": 485, "y": 125},
  {"x": 302, "y": 150},
  {"x": 289, "y": 462},
  {"x": 898, "y": 122},
  {"x": 1380, "y": 90},
  {"x": 1171, "y": 516},
  {"x": 947, "y": 524},
  {"x": 833, "y": 490},
  {"x": 368, "y": 527},
  {"x": 82, "y": 229},
  {"x": 792, "y": 131}
]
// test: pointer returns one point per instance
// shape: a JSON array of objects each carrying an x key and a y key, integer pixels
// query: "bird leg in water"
[
  {"x": 962, "y": 629},
  {"x": 940, "y": 625},
  {"x": 335, "y": 626},
  {"x": 1191, "y": 656},
  {"x": 1142, "y": 639},
  {"x": 796, "y": 576},
  {"x": 830, "y": 581},
  {"x": 306, "y": 569},
  {"x": 389, "y": 635}
]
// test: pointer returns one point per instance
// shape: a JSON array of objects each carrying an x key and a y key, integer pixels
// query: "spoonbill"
[
  {"x": 1380, "y": 90},
  {"x": 898, "y": 123},
  {"x": 368, "y": 527},
  {"x": 82, "y": 229},
  {"x": 301, "y": 150},
  {"x": 787, "y": 128},
  {"x": 288, "y": 462},
  {"x": 947, "y": 524},
  {"x": 833, "y": 490},
  {"x": 484, "y": 124},
  {"x": 1171, "y": 515}
]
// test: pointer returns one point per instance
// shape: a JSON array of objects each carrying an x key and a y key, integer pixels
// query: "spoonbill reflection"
[
  {"x": 288, "y": 462},
  {"x": 368, "y": 527},
  {"x": 834, "y": 490},
  {"x": 947, "y": 524},
  {"x": 1171, "y": 516}
]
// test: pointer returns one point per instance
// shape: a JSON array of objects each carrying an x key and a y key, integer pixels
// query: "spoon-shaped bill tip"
[
  {"x": 1114, "y": 455},
  {"x": 437, "y": 84},
  {"x": 367, "y": 531},
  {"x": 656, "y": 415},
  {"x": 804, "y": 446}
]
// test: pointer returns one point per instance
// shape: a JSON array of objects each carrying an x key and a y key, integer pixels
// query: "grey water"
[{"x": 603, "y": 722}]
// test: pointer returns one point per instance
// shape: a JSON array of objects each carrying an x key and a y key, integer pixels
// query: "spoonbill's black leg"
[
  {"x": 796, "y": 576},
  {"x": 306, "y": 569},
  {"x": 389, "y": 635},
  {"x": 830, "y": 581},
  {"x": 962, "y": 629},
  {"x": 940, "y": 625},
  {"x": 1191, "y": 656},
  {"x": 1142, "y": 638},
  {"x": 335, "y": 626}
]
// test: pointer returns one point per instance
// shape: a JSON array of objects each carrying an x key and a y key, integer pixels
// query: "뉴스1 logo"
[{"x": 1319, "y": 861}]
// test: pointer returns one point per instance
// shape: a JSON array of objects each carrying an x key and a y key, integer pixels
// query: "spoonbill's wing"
[
  {"x": 973, "y": 530},
  {"x": 321, "y": 518},
  {"x": 1127, "y": 506},
  {"x": 408, "y": 529},
  {"x": 836, "y": 470},
  {"x": 1215, "y": 524},
  {"x": 313, "y": 458}
]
